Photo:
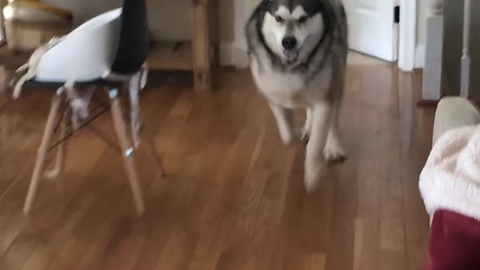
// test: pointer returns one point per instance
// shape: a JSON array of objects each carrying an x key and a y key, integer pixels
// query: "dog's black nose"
[{"x": 289, "y": 43}]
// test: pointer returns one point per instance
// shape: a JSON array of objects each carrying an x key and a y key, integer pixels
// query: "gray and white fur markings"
[{"x": 297, "y": 53}]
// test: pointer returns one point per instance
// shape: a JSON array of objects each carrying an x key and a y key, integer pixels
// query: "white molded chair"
[{"x": 109, "y": 50}]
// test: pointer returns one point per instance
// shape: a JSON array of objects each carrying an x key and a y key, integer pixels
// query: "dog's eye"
[
  {"x": 302, "y": 19},
  {"x": 279, "y": 19}
]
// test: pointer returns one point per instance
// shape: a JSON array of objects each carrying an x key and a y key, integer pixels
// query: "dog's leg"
[
  {"x": 305, "y": 131},
  {"x": 333, "y": 150},
  {"x": 321, "y": 117},
  {"x": 284, "y": 119}
]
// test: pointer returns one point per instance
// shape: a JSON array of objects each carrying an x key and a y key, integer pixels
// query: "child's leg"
[{"x": 454, "y": 242}]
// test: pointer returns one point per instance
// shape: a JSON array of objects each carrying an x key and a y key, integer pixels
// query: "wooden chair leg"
[
  {"x": 42, "y": 152},
  {"x": 127, "y": 151},
  {"x": 62, "y": 149},
  {"x": 152, "y": 149}
]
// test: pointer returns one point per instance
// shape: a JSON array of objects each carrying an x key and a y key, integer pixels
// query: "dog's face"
[{"x": 292, "y": 28}]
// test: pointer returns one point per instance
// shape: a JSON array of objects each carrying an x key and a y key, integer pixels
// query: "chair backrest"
[
  {"x": 133, "y": 41},
  {"x": 85, "y": 54}
]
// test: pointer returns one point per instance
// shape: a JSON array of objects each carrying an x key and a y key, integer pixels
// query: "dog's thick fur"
[{"x": 311, "y": 77}]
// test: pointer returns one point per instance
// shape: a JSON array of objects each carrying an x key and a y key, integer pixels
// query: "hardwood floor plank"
[
  {"x": 314, "y": 262},
  {"x": 393, "y": 260},
  {"x": 392, "y": 235},
  {"x": 366, "y": 248},
  {"x": 233, "y": 198},
  {"x": 416, "y": 132},
  {"x": 340, "y": 248}
]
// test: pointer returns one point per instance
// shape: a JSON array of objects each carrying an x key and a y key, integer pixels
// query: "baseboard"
[
  {"x": 427, "y": 103},
  {"x": 420, "y": 56},
  {"x": 232, "y": 54}
]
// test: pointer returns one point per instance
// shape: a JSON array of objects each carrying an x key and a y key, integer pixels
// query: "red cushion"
[{"x": 454, "y": 242}]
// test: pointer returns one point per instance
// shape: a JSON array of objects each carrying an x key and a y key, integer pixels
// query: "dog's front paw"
[
  {"x": 54, "y": 173},
  {"x": 333, "y": 151},
  {"x": 304, "y": 134},
  {"x": 287, "y": 141},
  {"x": 313, "y": 172}
]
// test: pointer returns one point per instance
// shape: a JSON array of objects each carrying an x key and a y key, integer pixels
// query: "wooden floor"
[{"x": 234, "y": 197}]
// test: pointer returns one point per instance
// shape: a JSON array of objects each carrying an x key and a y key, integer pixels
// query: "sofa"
[
  {"x": 454, "y": 112},
  {"x": 449, "y": 185}
]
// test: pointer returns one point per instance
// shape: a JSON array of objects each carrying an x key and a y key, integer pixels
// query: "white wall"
[{"x": 169, "y": 20}]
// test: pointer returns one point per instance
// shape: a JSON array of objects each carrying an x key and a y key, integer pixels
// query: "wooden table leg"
[
  {"x": 214, "y": 26},
  {"x": 201, "y": 46}
]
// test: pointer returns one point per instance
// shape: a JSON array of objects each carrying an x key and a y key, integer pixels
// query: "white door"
[{"x": 372, "y": 29}]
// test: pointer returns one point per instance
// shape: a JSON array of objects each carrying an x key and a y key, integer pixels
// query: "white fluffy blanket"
[{"x": 450, "y": 179}]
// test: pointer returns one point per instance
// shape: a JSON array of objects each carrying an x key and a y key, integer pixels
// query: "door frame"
[
  {"x": 3, "y": 41},
  {"x": 407, "y": 35}
]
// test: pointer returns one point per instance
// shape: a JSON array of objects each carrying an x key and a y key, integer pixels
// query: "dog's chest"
[
  {"x": 285, "y": 89},
  {"x": 280, "y": 84},
  {"x": 289, "y": 90}
]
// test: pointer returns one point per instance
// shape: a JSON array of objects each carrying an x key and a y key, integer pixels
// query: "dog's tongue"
[{"x": 290, "y": 55}]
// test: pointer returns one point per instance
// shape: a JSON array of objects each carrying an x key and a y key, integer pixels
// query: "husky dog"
[{"x": 297, "y": 54}]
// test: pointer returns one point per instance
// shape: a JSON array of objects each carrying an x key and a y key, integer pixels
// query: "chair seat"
[{"x": 35, "y": 84}]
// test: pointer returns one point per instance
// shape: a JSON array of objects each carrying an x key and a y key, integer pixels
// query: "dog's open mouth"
[{"x": 290, "y": 56}]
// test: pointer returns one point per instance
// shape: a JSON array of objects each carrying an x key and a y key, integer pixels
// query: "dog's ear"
[
  {"x": 264, "y": 5},
  {"x": 267, "y": 3}
]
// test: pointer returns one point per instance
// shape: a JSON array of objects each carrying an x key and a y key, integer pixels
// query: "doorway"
[
  {"x": 400, "y": 38},
  {"x": 383, "y": 29},
  {"x": 373, "y": 28}
]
